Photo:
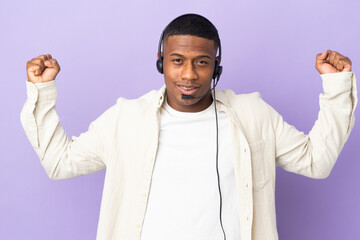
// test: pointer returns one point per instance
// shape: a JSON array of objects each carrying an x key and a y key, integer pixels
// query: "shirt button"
[
  {"x": 244, "y": 149},
  {"x": 247, "y": 185},
  {"x": 143, "y": 194},
  {"x": 247, "y": 218},
  {"x": 138, "y": 225},
  {"x": 151, "y": 159}
]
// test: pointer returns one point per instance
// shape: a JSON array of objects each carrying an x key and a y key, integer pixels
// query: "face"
[{"x": 189, "y": 63}]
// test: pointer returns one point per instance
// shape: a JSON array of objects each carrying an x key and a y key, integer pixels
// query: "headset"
[{"x": 216, "y": 76}]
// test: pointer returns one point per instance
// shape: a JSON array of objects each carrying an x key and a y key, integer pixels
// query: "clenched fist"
[
  {"x": 42, "y": 69},
  {"x": 332, "y": 62}
]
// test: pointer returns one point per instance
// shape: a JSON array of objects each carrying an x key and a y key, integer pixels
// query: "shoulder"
[
  {"x": 131, "y": 109},
  {"x": 249, "y": 106},
  {"x": 143, "y": 102},
  {"x": 244, "y": 100}
]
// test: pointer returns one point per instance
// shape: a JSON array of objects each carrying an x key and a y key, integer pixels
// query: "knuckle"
[
  {"x": 37, "y": 60},
  {"x": 30, "y": 64}
]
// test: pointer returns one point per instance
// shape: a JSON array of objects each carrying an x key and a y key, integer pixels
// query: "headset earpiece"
[
  {"x": 160, "y": 65},
  {"x": 217, "y": 70}
]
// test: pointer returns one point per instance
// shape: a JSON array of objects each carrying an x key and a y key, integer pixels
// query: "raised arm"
[
  {"x": 61, "y": 157},
  {"x": 315, "y": 154}
]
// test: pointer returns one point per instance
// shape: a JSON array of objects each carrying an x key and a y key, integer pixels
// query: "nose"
[{"x": 188, "y": 71}]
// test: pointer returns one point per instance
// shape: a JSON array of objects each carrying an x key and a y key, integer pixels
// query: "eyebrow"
[{"x": 200, "y": 56}]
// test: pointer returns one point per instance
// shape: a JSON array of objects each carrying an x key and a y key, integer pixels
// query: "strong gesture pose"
[{"x": 161, "y": 150}]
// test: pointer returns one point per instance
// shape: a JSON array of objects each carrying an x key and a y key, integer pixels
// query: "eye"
[
  {"x": 177, "y": 61},
  {"x": 202, "y": 62}
]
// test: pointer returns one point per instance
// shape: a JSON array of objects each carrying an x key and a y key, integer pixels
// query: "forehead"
[{"x": 188, "y": 43}]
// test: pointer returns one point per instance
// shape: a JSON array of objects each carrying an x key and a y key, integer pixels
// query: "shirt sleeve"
[
  {"x": 315, "y": 154},
  {"x": 60, "y": 156}
]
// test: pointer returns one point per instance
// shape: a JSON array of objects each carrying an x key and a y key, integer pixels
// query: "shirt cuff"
[
  {"x": 337, "y": 82},
  {"x": 41, "y": 91}
]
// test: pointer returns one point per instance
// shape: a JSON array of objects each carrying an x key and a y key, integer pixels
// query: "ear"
[{"x": 162, "y": 54}]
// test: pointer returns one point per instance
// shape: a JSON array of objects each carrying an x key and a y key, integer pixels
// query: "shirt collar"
[
  {"x": 221, "y": 97},
  {"x": 160, "y": 97}
]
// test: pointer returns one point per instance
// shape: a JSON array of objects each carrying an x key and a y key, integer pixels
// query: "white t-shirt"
[{"x": 184, "y": 197}]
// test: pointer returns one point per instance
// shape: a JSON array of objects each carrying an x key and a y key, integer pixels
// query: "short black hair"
[{"x": 194, "y": 25}]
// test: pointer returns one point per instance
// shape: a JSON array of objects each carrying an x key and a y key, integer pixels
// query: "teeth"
[{"x": 187, "y": 88}]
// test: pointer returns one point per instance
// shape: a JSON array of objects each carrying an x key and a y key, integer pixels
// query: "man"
[{"x": 160, "y": 150}]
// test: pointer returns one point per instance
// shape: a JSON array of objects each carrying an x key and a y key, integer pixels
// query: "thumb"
[
  {"x": 48, "y": 63},
  {"x": 52, "y": 63},
  {"x": 320, "y": 58}
]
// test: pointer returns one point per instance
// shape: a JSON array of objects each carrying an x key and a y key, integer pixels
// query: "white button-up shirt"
[{"x": 124, "y": 141}]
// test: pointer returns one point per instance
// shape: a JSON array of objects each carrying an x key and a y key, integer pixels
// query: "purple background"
[{"x": 108, "y": 49}]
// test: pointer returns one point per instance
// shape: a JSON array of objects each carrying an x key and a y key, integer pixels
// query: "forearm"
[
  {"x": 38, "y": 116},
  {"x": 61, "y": 157},
  {"x": 315, "y": 154},
  {"x": 335, "y": 120}
]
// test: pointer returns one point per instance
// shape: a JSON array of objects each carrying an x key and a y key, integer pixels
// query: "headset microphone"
[{"x": 183, "y": 96}]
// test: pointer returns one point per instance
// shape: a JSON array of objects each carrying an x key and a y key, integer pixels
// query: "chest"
[{"x": 189, "y": 145}]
